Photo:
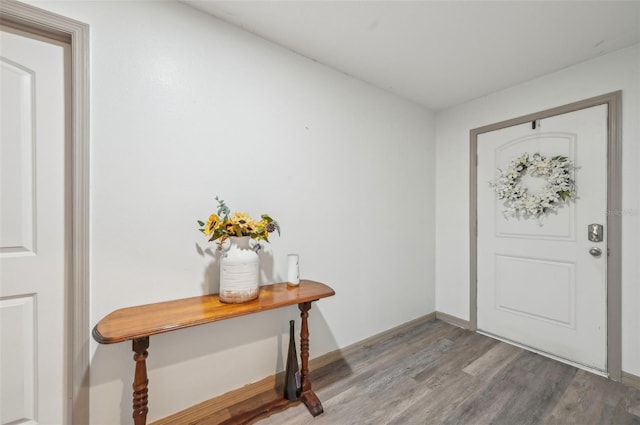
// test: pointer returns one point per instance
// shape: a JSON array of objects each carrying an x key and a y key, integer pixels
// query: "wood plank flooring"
[{"x": 436, "y": 373}]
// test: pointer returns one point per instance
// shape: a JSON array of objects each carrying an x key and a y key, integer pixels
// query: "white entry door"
[
  {"x": 32, "y": 232},
  {"x": 538, "y": 284}
]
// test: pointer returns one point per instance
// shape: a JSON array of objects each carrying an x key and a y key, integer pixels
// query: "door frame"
[
  {"x": 614, "y": 221},
  {"x": 77, "y": 326}
]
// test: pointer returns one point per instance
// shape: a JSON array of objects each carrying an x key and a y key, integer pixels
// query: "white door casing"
[
  {"x": 33, "y": 236},
  {"x": 537, "y": 283}
]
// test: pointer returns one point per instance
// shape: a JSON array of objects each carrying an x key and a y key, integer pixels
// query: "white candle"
[{"x": 293, "y": 271}]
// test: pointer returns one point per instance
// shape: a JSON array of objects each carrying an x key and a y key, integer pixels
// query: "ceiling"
[{"x": 439, "y": 53}]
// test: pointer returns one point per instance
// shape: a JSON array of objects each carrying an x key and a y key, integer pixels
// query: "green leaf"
[
  {"x": 201, "y": 223},
  {"x": 223, "y": 209}
]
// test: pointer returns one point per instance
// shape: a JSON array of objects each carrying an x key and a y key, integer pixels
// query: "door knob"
[{"x": 596, "y": 252}]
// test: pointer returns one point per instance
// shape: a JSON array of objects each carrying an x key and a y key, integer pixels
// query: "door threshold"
[{"x": 545, "y": 354}]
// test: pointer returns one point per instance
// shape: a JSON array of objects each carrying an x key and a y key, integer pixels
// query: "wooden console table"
[{"x": 137, "y": 324}]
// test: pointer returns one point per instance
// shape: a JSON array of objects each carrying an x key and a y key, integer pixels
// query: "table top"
[{"x": 151, "y": 319}]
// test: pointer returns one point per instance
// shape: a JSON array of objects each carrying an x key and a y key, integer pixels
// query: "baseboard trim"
[
  {"x": 453, "y": 320},
  {"x": 220, "y": 403},
  {"x": 630, "y": 379},
  {"x": 332, "y": 356},
  {"x": 237, "y": 396}
]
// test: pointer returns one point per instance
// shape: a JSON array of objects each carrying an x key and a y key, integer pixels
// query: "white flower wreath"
[{"x": 560, "y": 187}]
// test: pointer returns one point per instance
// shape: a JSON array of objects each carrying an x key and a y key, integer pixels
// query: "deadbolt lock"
[{"x": 595, "y": 232}]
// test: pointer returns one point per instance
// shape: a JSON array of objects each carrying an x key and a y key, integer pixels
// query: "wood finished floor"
[{"x": 436, "y": 373}]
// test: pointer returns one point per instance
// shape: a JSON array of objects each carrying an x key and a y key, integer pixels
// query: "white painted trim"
[{"x": 44, "y": 23}]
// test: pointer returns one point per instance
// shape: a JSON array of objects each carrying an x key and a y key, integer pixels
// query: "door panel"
[
  {"x": 17, "y": 160},
  {"x": 18, "y": 326},
  {"x": 33, "y": 238},
  {"x": 537, "y": 283},
  {"x": 527, "y": 296},
  {"x": 561, "y": 224}
]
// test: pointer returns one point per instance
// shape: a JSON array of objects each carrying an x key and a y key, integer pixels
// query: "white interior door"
[
  {"x": 538, "y": 284},
  {"x": 32, "y": 231}
]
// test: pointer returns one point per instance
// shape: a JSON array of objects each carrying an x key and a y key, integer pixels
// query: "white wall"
[
  {"x": 184, "y": 108},
  {"x": 616, "y": 71}
]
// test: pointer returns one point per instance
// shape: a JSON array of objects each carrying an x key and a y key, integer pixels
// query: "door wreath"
[{"x": 559, "y": 188}]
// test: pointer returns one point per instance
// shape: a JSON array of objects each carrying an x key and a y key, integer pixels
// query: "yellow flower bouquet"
[{"x": 223, "y": 225}]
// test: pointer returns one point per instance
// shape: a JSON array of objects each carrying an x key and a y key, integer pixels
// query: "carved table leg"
[
  {"x": 140, "y": 381},
  {"x": 308, "y": 397}
]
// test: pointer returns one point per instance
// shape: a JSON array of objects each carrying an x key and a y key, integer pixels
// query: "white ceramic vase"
[{"x": 239, "y": 271}]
